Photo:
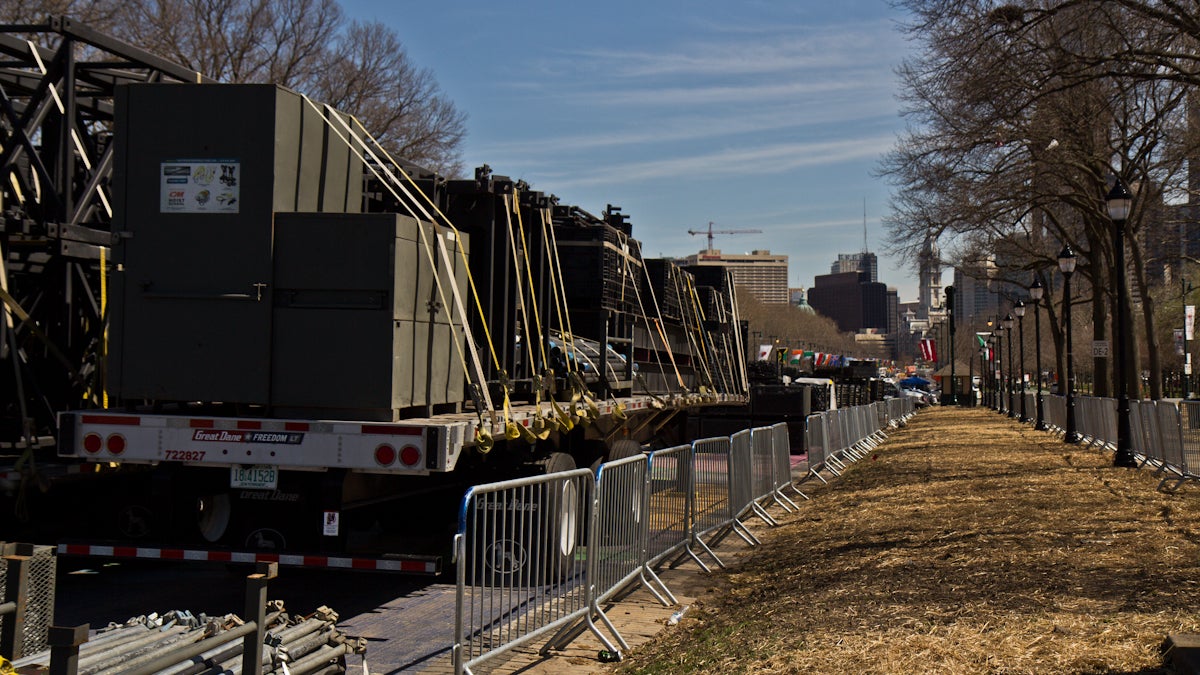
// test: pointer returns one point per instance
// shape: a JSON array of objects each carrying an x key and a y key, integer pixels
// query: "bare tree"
[
  {"x": 1020, "y": 126},
  {"x": 360, "y": 68},
  {"x": 94, "y": 12},
  {"x": 369, "y": 72}
]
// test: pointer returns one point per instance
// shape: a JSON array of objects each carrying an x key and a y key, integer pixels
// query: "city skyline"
[{"x": 754, "y": 116}]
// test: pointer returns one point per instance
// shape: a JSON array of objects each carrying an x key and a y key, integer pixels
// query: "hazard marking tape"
[{"x": 293, "y": 560}]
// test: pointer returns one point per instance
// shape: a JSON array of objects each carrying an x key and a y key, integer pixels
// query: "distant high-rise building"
[
  {"x": 853, "y": 304},
  {"x": 865, "y": 262},
  {"x": 976, "y": 295},
  {"x": 763, "y": 274}
]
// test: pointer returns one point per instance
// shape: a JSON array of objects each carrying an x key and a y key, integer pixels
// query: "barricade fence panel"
[
  {"x": 741, "y": 467},
  {"x": 1190, "y": 424},
  {"x": 616, "y": 543},
  {"x": 815, "y": 440},
  {"x": 782, "y": 456},
  {"x": 1170, "y": 435},
  {"x": 670, "y": 490},
  {"x": 762, "y": 441},
  {"x": 714, "y": 501},
  {"x": 518, "y": 576}
]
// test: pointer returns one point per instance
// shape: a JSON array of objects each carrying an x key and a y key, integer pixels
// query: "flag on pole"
[
  {"x": 928, "y": 349},
  {"x": 797, "y": 355},
  {"x": 764, "y": 352}
]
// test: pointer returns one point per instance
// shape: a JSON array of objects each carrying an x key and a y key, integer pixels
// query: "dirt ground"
[{"x": 967, "y": 543}]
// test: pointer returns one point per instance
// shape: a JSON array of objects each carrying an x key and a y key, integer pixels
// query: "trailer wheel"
[
  {"x": 561, "y": 517},
  {"x": 618, "y": 450},
  {"x": 213, "y": 516},
  {"x": 623, "y": 448},
  {"x": 507, "y": 550}
]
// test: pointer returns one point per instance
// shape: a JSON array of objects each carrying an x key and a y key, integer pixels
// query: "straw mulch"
[{"x": 967, "y": 544}]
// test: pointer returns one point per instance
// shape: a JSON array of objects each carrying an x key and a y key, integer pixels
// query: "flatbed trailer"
[{"x": 277, "y": 340}]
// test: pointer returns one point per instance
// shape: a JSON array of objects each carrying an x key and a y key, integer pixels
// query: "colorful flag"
[
  {"x": 764, "y": 352},
  {"x": 797, "y": 355},
  {"x": 928, "y": 349}
]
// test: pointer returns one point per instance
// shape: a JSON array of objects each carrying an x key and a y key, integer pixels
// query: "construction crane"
[{"x": 710, "y": 232}]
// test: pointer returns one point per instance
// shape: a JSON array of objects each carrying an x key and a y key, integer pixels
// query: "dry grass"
[{"x": 968, "y": 544}]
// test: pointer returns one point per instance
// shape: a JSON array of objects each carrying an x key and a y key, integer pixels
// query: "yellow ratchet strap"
[{"x": 483, "y": 440}]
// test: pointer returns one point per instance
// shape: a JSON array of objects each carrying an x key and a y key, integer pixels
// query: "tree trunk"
[{"x": 1153, "y": 355}]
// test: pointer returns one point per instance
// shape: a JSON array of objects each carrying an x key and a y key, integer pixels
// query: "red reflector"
[
  {"x": 385, "y": 455},
  {"x": 116, "y": 444},
  {"x": 92, "y": 443},
  {"x": 295, "y": 426},
  {"x": 249, "y": 424},
  {"x": 390, "y": 430},
  {"x": 201, "y": 424},
  {"x": 410, "y": 455}
]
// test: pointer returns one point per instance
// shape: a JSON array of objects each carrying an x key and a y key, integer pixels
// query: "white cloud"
[{"x": 772, "y": 158}]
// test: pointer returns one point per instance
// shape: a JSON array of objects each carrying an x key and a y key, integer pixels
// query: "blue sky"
[{"x": 751, "y": 115}]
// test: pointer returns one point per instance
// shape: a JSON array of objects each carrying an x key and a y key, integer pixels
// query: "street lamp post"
[
  {"x": 993, "y": 380},
  {"x": 950, "y": 313},
  {"x": 1019, "y": 310},
  {"x": 1035, "y": 293},
  {"x": 999, "y": 336},
  {"x": 1119, "y": 203},
  {"x": 983, "y": 378},
  {"x": 1066, "y": 263},
  {"x": 1007, "y": 323},
  {"x": 1185, "y": 287}
]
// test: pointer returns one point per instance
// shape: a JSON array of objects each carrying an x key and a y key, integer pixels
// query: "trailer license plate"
[{"x": 257, "y": 477}]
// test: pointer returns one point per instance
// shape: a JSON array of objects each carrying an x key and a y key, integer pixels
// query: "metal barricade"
[
  {"x": 1083, "y": 422},
  {"x": 716, "y": 498},
  {"x": 815, "y": 439},
  {"x": 1153, "y": 435},
  {"x": 670, "y": 500},
  {"x": 1055, "y": 409},
  {"x": 763, "y": 466},
  {"x": 617, "y": 544},
  {"x": 1170, "y": 431},
  {"x": 1138, "y": 443},
  {"x": 782, "y": 455},
  {"x": 838, "y": 438},
  {"x": 519, "y": 578},
  {"x": 741, "y": 479},
  {"x": 1190, "y": 430}
]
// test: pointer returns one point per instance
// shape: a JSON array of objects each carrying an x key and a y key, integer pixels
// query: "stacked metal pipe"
[{"x": 180, "y": 643}]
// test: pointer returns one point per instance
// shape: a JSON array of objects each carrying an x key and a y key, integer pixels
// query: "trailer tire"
[
  {"x": 623, "y": 448},
  {"x": 213, "y": 516},
  {"x": 618, "y": 450},
  {"x": 505, "y": 556}
]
